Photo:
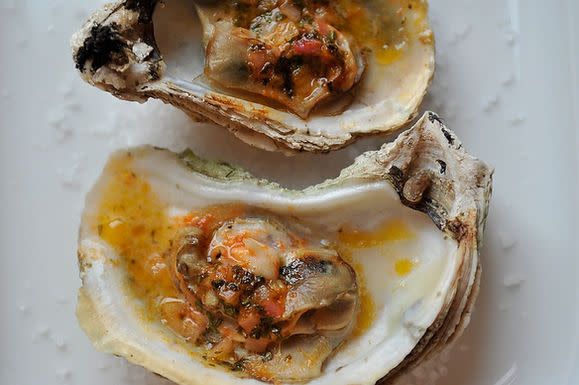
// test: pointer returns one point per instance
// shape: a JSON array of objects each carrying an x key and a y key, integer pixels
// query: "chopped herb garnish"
[
  {"x": 311, "y": 35},
  {"x": 214, "y": 323},
  {"x": 255, "y": 27},
  {"x": 256, "y": 333},
  {"x": 267, "y": 16},
  {"x": 230, "y": 310},
  {"x": 332, "y": 35},
  {"x": 239, "y": 365},
  {"x": 306, "y": 19}
]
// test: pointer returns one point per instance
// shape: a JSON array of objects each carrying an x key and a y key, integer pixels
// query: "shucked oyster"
[
  {"x": 260, "y": 293},
  {"x": 289, "y": 52},
  {"x": 205, "y": 275},
  {"x": 281, "y": 75}
]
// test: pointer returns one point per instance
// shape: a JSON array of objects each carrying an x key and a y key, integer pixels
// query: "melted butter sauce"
[
  {"x": 132, "y": 219},
  {"x": 387, "y": 27},
  {"x": 350, "y": 240},
  {"x": 403, "y": 266},
  {"x": 367, "y": 313},
  {"x": 389, "y": 231}
]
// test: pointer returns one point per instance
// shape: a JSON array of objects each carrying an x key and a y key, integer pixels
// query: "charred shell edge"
[
  {"x": 104, "y": 53},
  {"x": 431, "y": 171}
]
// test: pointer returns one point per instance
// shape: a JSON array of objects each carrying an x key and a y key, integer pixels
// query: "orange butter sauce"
[
  {"x": 392, "y": 230},
  {"x": 135, "y": 222},
  {"x": 367, "y": 313},
  {"x": 131, "y": 219},
  {"x": 351, "y": 239},
  {"x": 387, "y": 26}
]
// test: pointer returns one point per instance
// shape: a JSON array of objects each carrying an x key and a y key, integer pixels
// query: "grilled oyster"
[
  {"x": 205, "y": 275},
  {"x": 281, "y": 75}
]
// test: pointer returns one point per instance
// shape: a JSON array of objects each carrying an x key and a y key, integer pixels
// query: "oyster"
[
  {"x": 280, "y": 76},
  {"x": 204, "y": 274}
]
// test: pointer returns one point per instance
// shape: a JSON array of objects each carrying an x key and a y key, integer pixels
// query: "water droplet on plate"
[
  {"x": 24, "y": 309},
  {"x": 507, "y": 240},
  {"x": 504, "y": 307},
  {"x": 517, "y": 121},
  {"x": 491, "y": 103},
  {"x": 64, "y": 375},
  {"x": 513, "y": 281}
]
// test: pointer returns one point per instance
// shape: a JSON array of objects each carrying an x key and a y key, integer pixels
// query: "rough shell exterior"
[
  {"x": 116, "y": 51},
  {"x": 430, "y": 171}
]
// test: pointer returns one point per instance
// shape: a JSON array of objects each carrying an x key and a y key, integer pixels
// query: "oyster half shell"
[
  {"x": 138, "y": 50},
  {"x": 409, "y": 219}
]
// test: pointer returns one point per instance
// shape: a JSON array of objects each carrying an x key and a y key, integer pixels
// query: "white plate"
[{"x": 506, "y": 83}]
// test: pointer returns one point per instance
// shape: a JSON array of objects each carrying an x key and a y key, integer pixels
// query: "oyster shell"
[
  {"x": 409, "y": 218},
  {"x": 138, "y": 50}
]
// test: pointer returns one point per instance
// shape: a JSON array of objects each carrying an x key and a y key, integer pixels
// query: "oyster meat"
[
  {"x": 204, "y": 274},
  {"x": 281, "y": 75},
  {"x": 289, "y": 53}
]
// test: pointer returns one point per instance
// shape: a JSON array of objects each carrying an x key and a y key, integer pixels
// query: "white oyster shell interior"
[
  {"x": 386, "y": 99},
  {"x": 417, "y": 312}
]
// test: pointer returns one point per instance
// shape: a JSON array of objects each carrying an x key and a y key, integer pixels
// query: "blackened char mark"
[
  {"x": 427, "y": 205},
  {"x": 102, "y": 46},
  {"x": 318, "y": 265},
  {"x": 433, "y": 209},
  {"x": 442, "y": 166},
  {"x": 145, "y": 9},
  {"x": 447, "y": 135},
  {"x": 292, "y": 273},
  {"x": 397, "y": 178},
  {"x": 301, "y": 269},
  {"x": 245, "y": 280},
  {"x": 283, "y": 67},
  {"x": 435, "y": 118}
]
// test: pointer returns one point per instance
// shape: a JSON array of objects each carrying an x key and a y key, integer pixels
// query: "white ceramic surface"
[{"x": 506, "y": 82}]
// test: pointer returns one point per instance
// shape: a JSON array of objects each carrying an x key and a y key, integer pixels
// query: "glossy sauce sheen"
[
  {"x": 304, "y": 53},
  {"x": 380, "y": 25},
  {"x": 134, "y": 221}
]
